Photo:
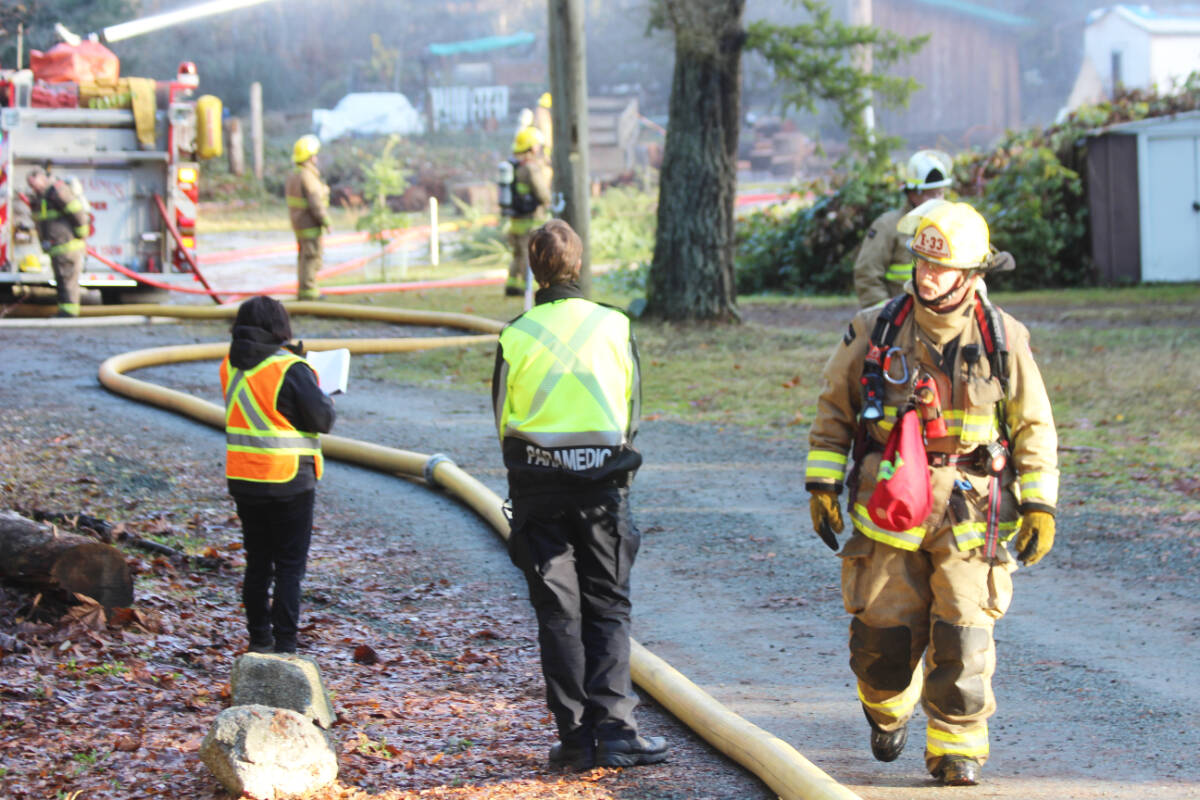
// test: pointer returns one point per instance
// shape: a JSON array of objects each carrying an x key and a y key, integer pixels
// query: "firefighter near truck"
[{"x": 131, "y": 151}]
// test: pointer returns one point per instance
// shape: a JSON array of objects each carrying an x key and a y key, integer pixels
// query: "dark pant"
[
  {"x": 576, "y": 552},
  {"x": 276, "y": 534}
]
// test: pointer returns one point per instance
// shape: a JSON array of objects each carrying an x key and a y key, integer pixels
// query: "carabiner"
[{"x": 887, "y": 367}]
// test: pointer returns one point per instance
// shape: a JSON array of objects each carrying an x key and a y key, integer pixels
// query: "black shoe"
[
  {"x": 513, "y": 291},
  {"x": 957, "y": 771},
  {"x": 262, "y": 647},
  {"x": 63, "y": 314},
  {"x": 573, "y": 756},
  {"x": 631, "y": 752},
  {"x": 887, "y": 745}
]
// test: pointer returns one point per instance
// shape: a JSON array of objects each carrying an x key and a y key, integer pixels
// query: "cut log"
[{"x": 37, "y": 554}]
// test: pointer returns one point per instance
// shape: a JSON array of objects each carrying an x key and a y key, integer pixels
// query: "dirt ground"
[{"x": 1098, "y": 681}]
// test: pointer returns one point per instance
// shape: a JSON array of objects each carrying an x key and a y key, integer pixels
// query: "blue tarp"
[{"x": 484, "y": 45}]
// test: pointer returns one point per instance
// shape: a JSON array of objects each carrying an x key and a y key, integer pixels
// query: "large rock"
[
  {"x": 267, "y": 753},
  {"x": 281, "y": 681}
]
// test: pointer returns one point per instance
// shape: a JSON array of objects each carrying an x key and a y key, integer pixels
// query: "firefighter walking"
[
  {"x": 566, "y": 394},
  {"x": 925, "y": 598},
  {"x": 529, "y": 203},
  {"x": 308, "y": 207},
  {"x": 62, "y": 225},
  {"x": 883, "y": 264}
]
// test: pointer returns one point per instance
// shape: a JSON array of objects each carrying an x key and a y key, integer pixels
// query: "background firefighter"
[
  {"x": 932, "y": 591},
  {"x": 530, "y": 200},
  {"x": 62, "y": 225},
  {"x": 566, "y": 394},
  {"x": 308, "y": 206},
  {"x": 883, "y": 264}
]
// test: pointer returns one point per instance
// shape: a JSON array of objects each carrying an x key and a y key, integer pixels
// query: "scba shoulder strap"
[{"x": 883, "y": 337}]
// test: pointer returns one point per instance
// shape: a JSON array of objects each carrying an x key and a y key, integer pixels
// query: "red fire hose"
[{"x": 162, "y": 209}]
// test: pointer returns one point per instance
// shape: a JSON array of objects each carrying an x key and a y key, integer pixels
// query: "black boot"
[
  {"x": 957, "y": 771},
  {"x": 575, "y": 756},
  {"x": 886, "y": 745},
  {"x": 631, "y": 752}
]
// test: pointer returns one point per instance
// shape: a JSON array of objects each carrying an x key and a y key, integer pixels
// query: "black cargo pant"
[
  {"x": 576, "y": 551},
  {"x": 276, "y": 534}
]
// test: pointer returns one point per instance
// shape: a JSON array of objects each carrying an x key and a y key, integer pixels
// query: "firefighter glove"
[
  {"x": 1036, "y": 536},
  {"x": 826, "y": 516}
]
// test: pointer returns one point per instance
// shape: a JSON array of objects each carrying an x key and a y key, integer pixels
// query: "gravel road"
[{"x": 1098, "y": 680}]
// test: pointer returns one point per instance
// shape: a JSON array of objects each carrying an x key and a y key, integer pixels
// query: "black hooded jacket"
[{"x": 300, "y": 400}]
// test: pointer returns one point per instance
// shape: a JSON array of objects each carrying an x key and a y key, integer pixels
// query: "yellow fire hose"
[{"x": 774, "y": 761}]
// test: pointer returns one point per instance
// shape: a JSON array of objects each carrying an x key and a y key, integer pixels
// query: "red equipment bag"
[
  {"x": 86, "y": 62},
  {"x": 902, "y": 498}
]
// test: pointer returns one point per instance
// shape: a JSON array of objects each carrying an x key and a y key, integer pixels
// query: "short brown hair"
[{"x": 555, "y": 253}]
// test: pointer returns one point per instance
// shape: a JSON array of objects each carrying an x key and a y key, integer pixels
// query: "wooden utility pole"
[
  {"x": 256, "y": 128},
  {"x": 237, "y": 147},
  {"x": 860, "y": 14},
  {"x": 568, "y": 90}
]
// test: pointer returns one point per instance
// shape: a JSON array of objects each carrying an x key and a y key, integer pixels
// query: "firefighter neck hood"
[{"x": 944, "y": 326}]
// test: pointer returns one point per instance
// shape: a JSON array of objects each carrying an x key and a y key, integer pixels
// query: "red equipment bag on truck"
[
  {"x": 902, "y": 498},
  {"x": 86, "y": 62}
]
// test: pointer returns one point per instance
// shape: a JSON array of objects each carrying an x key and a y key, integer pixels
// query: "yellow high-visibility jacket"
[{"x": 567, "y": 395}]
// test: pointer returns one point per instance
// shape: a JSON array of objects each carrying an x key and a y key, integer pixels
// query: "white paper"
[{"x": 332, "y": 368}]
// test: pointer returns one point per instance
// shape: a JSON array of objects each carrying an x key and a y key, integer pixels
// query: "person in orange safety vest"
[{"x": 274, "y": 410}]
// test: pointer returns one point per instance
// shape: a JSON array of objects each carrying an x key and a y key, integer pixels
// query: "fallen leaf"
[{"x": 365, "y": 654}]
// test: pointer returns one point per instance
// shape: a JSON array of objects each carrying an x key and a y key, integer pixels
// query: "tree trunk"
[
  {"x": 41, "y": 555},
  {"x": 692, "y": 275}
]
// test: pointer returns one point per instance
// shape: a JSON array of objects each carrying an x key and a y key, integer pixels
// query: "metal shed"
[{"x": 1144, "y": 199}]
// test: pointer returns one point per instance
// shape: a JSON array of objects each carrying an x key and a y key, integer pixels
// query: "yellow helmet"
[
  {"x": 947, "y": 234},
  {"x": 526, "y": 139},
  {"x": 928, "y": 169},
  {"x": 545, "y": 101},
  {"x": 305, "y": 148}
]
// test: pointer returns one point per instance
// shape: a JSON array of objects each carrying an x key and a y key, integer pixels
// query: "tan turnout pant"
[
  {"x": 308, "y": 264},
  {"x": 922, "y": 631}
]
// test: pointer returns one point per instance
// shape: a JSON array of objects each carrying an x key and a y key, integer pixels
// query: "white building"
[{"x": 1141, "y": 47}]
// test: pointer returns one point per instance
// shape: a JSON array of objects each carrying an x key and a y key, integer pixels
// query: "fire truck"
[
  {"x": 134, "y": 191},
  {"x": 141, "y": 184}
]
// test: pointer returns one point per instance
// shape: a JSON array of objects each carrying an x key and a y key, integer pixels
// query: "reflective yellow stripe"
[
  {"x": 825, "y": 464},
  {"x": 82, "y": 231},
  {"x": 903, "y": 540},
  {"x": 69, "y": 308},
  {"x": 296, "y": 202},
  {"x": 73, "y": 206},
  {"x": 973, "y": 742},
  {"x": 901, "y": 706},
  {"x": 73, "y": 246},
  {"x": 969, "y": 535},
  {"x": 899, "y": 272},
  {"x": 1040, "y": 487},
  {"x": 309, "y": 233},
  {"x": 971, "y": 428}
]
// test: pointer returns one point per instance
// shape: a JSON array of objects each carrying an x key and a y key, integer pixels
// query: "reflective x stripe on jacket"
[
  {"x": 261, "y": 444},
  {"x": 539, "y": 417},
  {"x": 566, "y": 392}
]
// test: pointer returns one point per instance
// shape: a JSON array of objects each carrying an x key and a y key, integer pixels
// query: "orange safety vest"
[{"x": 261, "y": 445}]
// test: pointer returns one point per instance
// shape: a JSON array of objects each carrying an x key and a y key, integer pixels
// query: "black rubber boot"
[
  {"x": 887, "y": 745},
  {"x": 957, "y": 771},
  {"x": 631, "y": 752}
]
